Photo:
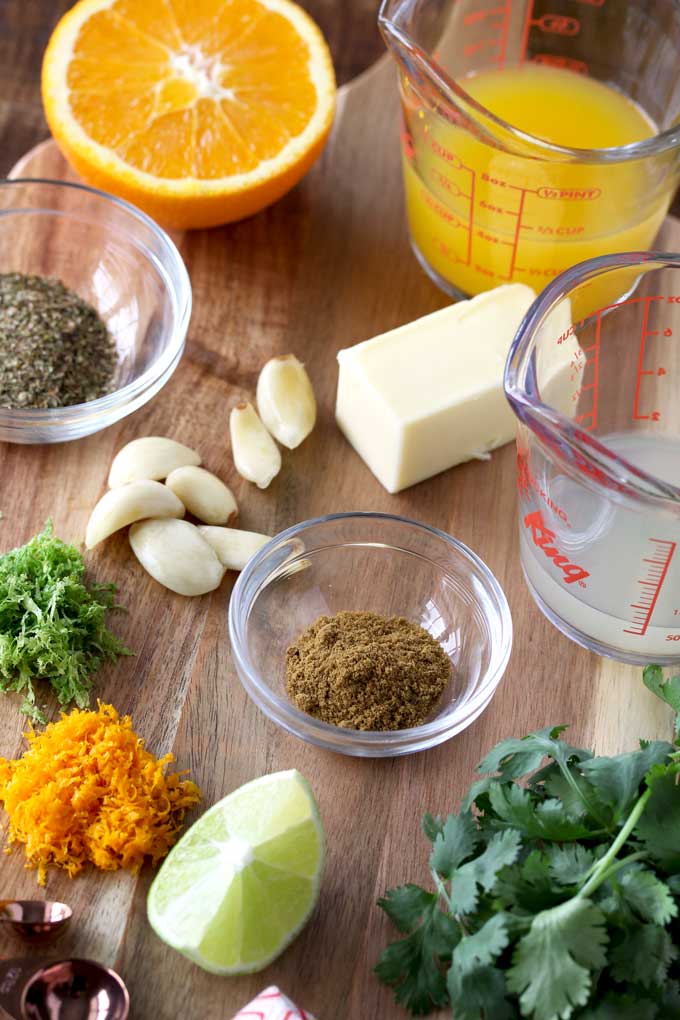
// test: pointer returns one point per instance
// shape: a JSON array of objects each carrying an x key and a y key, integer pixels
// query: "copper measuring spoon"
[
  {"x": 62, "y": 990},
  {"x": 35, "y": 920}
]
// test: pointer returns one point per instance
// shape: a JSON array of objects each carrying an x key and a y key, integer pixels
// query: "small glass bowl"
[
  {"x": 387, "y": 565},
  {"x": 120, "y": 261}
]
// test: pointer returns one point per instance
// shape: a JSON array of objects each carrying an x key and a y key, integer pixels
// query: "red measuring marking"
[
  {"x": 558, "y": 60},
  {"x": 651, "y": 585},
  {"x": 502, "y": 26},
  {"x": 475, "y": 16},
  {"x": 588, "y": 419},
  {"x": 641, "y": 370},
  {"x": 550, "y": 24},
  {"x": 471, "y": 217},
  {"x": 525, "y": 31},
  {"x": 505, "y": 28},
  {"x": 515, "y": 240}
]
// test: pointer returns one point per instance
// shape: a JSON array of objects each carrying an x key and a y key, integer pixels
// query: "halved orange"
[{"x": 198, "y": 111}]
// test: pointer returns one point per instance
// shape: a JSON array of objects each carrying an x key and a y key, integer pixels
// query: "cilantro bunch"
[
  {"x": 51, "y": 623},
  {"x": 556, "y": 888}
]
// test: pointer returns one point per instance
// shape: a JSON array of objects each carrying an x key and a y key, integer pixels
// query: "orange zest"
[
  {"x": 198, "y": 111},
  {"x": 87, "y": 790}
]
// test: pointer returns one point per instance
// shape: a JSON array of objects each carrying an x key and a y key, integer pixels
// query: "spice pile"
[
  {"x": 86, "y": 790},
  {"x": 366, "y": 672},
  {"x": 51, "y": 623},
  {"x": 55, "y": 350}
]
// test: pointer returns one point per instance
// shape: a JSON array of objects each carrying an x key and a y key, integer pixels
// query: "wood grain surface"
[{"x": 326, "y": 267}]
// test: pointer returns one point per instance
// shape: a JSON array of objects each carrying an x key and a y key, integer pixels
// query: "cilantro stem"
[
  {"x": 604, "y": 865},
  {"x": 441, "y": 890},
  {"x": 639, "y": 856}
]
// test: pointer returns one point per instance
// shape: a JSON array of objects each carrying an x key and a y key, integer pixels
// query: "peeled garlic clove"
[
  {"x": 127, "y": 504},
  {"x": 233, "y": 547},
  {"x": 151, "y": 457},
  {"x": 285, "y": 400},
  {"x": 203, "y": 494},
  {"x": 256, "y": 455},
  {"x": 177, "y": 556}
]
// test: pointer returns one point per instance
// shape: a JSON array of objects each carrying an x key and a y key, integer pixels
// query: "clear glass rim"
[
  {"x": 451, "y": 92},
  {"x": 632, "y": 482},
  {"x": 337, "y": 738},
  {"x": 175, "y": 280}
]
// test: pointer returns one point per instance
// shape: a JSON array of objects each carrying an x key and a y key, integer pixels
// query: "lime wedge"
[{"x": 242, "y": 881}]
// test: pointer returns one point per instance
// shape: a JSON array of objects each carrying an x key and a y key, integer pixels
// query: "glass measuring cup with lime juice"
[
  {"x": 628, "y": 596},
  {"x": 599, "y": 456},
  {"x": 524, "y": 151}
]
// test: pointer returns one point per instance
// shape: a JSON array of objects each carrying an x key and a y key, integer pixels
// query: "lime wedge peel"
[{"x": 242, "y": 882}]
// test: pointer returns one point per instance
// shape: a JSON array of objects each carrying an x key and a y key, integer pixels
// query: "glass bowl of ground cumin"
[
  {"x": 94, "y": 308},
  {"x": 371, "y": 577}
]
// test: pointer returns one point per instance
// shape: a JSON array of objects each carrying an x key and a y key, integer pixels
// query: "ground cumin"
[{"x": 366, "y": 672}]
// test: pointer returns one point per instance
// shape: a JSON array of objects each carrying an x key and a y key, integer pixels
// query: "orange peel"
[{"x": 200, "y": 112}]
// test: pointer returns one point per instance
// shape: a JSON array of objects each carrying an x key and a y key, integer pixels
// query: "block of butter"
[{"x": 428, "y": 395}]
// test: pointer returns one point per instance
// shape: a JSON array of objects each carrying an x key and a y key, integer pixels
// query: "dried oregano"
[{"x": 55, "y": 349}]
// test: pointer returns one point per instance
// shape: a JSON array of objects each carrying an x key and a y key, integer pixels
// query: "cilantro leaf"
[
  {"x": 481, "y": 992},
  {"x": 558, "y": 898},
  {"x": 413, "y": 965},
  {"x": 543, "y": 820},
  {"x": 501, "y": 850},
  {"x": 570, "y": 864},
  {"x": 551, "y": 965},
  {"x": 456, "y": 841},
  {"x": 570, "y": 787},
  {"x": 431, "y": 826},
  {"x": 659, "y": 825},
  {"x": 476, "y": 791},
  {"x": 412, "y": 970},
  {"x": 406, "y": 904},
  {"x": 474, "y": 984},
  {"x": 617, "y": 780},
  {"x": 652, "y": 677},
  {"x": 514, "y": 758},
  {"x": 484, "y": 946},
  {"x": 643, "y": 956},
  {"x": 527, "y": 885},
  {"x": 648, "y": 897}
]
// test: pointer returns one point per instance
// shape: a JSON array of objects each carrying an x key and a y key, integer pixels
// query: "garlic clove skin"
[
  {"x": 129, "y": 503},
  {"x": 151, "y": 457},
  {"x": 286, "y": 401},
  {"x": 203, "y": 494},
  {"x": 177, "y": 556},
  {"x": 233, "y": 547},
  {"x": 256, "y": 455}
]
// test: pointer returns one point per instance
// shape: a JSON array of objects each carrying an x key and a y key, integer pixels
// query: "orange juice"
[{"x": 480, "y": 216}]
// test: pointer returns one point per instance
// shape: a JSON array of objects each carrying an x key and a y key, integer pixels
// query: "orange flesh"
[{"x": 191, "y": 88}]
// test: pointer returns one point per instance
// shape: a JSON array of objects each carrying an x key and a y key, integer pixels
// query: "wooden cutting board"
[{"x": 326, "y": 267}]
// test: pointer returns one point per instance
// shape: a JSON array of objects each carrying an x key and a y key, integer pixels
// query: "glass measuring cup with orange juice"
[{"x": 536, "y": 133}]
